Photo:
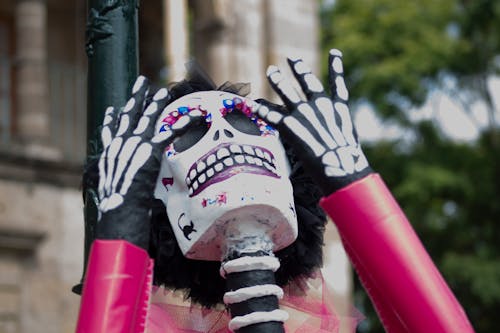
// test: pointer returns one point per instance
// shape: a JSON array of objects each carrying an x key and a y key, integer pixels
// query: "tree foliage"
[{"x": 395, "y": 54}]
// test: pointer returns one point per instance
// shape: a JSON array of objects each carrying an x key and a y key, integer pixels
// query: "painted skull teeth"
[{"x": 227, "y": 160}]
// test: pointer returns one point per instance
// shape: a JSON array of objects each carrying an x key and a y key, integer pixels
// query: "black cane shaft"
[
  {"x": 265, "y": 303},
  {"x": 267, "y": 327},
  {"x": 249, "y": 278},
  {"x": 235, "y": 281}
]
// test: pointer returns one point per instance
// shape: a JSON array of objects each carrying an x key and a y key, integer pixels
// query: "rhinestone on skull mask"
[{"x": 225, "y": 178}]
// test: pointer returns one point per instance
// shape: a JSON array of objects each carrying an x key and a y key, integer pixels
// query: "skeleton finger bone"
[{"x": 282, "y": 86}]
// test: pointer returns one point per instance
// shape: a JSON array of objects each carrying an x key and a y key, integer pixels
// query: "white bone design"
[
  {"x": 130, "y": 148},
  {"x": 323, "y": 125},
  {"x": 244, "y": 264}
]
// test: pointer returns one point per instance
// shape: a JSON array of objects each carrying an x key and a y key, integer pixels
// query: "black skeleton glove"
[
  {"x": 320, "y": 129},
  {"x": 130, "y": 162}
]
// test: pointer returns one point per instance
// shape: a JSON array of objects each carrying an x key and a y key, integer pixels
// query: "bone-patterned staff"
[{"x": 252, "y": 294}]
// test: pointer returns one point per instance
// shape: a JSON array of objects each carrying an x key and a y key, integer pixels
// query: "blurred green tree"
[{"x": 395, "y": 54}]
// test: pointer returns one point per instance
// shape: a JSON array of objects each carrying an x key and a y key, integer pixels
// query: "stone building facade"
[{"x": 42, "y": 127}]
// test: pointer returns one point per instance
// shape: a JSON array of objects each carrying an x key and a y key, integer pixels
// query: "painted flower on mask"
[{"x": 218, "y": 200}]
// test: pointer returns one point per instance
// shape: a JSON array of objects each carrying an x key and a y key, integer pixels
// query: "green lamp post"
[{"x": 112, "y": 51}]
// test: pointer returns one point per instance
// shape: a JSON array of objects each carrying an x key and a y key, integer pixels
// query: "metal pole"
[{"x": 112, "y": 51}]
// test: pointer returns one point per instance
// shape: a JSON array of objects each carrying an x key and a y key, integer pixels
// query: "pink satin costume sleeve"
[
  {"x": 405, "y": 286},
  {"x": 116, "y": 290}
]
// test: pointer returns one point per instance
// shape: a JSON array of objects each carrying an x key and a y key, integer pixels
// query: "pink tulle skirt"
[{"x": 308, "y": 302}]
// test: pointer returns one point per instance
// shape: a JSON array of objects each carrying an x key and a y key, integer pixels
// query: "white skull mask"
[{"x": 228, "y": 174}]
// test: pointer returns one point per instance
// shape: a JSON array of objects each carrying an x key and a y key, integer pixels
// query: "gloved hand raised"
[
  {"x": 130, "y": 162},
  {"x": 319, "y": 129}
]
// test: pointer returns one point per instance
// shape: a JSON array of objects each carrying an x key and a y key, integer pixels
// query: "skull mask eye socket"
[
  {"x": 242, "y": 123},
  {"x": 195, "y": 131}
]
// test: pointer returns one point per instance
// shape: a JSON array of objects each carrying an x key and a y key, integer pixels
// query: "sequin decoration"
[
  {"x": 173, "y": 116},
  {"x": 184, "y": 109},
  {"x": 170, "y": 150},
  {"x": 229, "y": 105}
]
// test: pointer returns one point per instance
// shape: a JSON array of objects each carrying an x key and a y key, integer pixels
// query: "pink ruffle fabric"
[{"x": 308, "y": 303}]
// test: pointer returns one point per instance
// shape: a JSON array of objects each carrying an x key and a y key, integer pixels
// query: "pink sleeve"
[
  {"x": 116, "y": 290},
  {"x": 399, "y": 275},
  {"x": 386, "y": 314}
]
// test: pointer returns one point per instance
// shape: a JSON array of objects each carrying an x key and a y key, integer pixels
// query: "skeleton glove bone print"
[
  {"x": 320, "y": 128},
  {"x": 129, "y": 164}
]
